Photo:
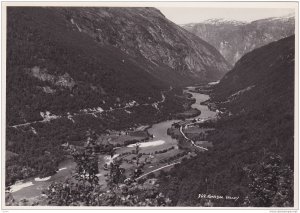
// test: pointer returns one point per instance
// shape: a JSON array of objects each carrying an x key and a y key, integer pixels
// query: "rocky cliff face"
[
  {"x": 145, "y": 34},
  {"x": 234, "y": 39}
]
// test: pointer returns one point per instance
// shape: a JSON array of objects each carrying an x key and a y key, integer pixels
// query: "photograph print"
[{"x": 162, "y": 105}]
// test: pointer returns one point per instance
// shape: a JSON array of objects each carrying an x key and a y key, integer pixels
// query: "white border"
[{"x": 223, "y": 4}]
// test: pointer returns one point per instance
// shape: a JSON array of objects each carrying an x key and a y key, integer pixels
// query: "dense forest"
[{"x": 253, "y": 145}]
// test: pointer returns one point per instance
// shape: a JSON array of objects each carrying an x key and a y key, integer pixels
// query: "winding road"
[
  {"x": 163, "y": 98},
  {"x": 155, "y": 170},
  {"x": 192, "y": 142}
]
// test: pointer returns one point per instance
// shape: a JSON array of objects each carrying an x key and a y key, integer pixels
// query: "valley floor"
[{"x": 159, "y": 151}]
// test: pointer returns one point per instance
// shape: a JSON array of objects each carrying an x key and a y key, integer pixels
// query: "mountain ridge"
[{"x": 233, "y": 38}]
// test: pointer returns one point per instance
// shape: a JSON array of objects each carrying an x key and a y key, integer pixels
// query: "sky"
[{"x": 185, "y": 15}]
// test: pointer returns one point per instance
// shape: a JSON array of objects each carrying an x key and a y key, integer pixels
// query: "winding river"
[
  {"x": 33, "y": 187},
  {"x": 205, "y": 111},
  {"x": 159, "y": 130}
]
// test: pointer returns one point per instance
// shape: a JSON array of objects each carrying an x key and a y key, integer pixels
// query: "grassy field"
[
  {"x": 151, "y": 162},
  {"x": 153, "y": 156}
]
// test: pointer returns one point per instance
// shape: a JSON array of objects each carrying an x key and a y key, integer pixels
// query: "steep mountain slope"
[
  {"x": 67, "y": 59},
  {"x": 253, "y": 154},
  {"x": 233, "y": 39},
  {"x": 268, "y": 70},
  {"x": 146, "y": 34},
  {"x": 51, "y": 67}
]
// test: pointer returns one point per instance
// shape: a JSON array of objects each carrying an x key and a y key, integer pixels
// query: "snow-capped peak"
[{"x": 217, "y": 21}]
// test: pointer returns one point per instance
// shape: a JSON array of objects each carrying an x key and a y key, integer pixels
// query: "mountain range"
[{"x": 235, "y": 38}]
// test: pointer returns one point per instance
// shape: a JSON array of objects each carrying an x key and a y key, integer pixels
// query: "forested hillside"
[
  {"x": 253, "y": 153},
  {"x": 51, "y": 67}
]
